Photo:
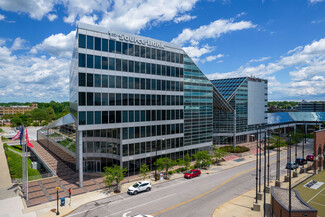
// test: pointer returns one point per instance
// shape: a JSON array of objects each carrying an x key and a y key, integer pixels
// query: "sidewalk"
[
  {"x": 5, "y": 179},
  {"x": 243, "y": 204}
]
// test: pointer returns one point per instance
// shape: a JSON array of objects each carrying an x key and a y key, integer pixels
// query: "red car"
[
  {"x": 310, "y": 157},
  {"x": 192, "y": 174}
]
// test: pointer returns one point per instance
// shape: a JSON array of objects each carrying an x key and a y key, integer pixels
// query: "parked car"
[
  {"x": 192, "y": 174},
  {"x": 139, "y": 187},
  {"x": 301, "y": 161},
  {"x": 292, "y": 166},
  {"x": 310, "y": 157}
]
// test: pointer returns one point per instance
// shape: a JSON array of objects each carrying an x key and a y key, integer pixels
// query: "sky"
[{"x": 282, "y": 41}]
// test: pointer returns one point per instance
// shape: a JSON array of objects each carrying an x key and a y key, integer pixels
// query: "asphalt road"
[{"x": 197, "y": 197}]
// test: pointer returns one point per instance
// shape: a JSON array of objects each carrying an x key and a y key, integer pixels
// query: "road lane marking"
[
  {"x": 212, "y": 190},
  {"x": 143, "y": 204},
  {"x": 315, "y": 195}
]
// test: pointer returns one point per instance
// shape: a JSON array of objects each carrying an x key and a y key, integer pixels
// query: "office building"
[
  {"x": 17, "y": 109},
  {"x": 247, "y": 98},
  {"x": 305, "y": 106},
  {"x": 136, "y": 98}
]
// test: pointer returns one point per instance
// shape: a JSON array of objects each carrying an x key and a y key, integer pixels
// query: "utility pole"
[
  {"x": 290, "y": 176},
  {"x": 264, "y": 208},
  {"x": 268, "y": 157},
  {"x": 256, "y": 177},
  {"x": 260, "y": 163}
]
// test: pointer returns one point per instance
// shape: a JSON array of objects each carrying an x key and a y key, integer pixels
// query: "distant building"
[
  {"x": 311, "y": 106},
  {"x": 247, "y": 96},
  {"x": 17, "y": 109}
]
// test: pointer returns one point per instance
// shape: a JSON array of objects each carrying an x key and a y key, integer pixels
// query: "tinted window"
[
  {"x": 90, "y": 61},
  {"x": 131, "y": 50},
  {"x": 97, "y": 62},
  {"x": 104, "y": 80},
  {"x": 90, "y": 98},
  {"x": 82, "y": 98},
  {"x": 98, "y": 80},
  {"x": 82, "y": 60},
  {"x": 82, "y": 118},
  {"x": 112, "y": 46},
  {"x": 118, "y": 65},
  {"x": 98, "y": 117},
  {"x": 82, "y": 41},
  {"x": 97, "y": 43},
  {"x": 90, "y": 80},
  {"x": 82, "y": 79},
  {"x": 125, "y": 48},
  {"x": 104, "y": 45},
  {"x": 104, "y": 62},
  {"x": 118, "y": 48},
  {"x": 90, "y": 42},
  {"x": 137, "y": 50},
  {"x": 112, "y": 81},
  {"x": 90, "y": 117}
]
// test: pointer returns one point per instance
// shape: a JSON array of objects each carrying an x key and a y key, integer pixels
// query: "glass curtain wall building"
[
  {"x": 135, "y": 99},
  {"x": 247, "y": 97}
]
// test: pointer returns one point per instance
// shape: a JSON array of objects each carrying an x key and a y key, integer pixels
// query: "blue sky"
[{"x": 282, "y": 41}]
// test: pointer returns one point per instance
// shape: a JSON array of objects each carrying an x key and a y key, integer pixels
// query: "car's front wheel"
[
  {"x": 135, "y": 192},
  {"x": 148, "y": 189}
]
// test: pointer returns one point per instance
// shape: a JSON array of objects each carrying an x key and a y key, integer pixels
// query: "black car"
[{"x": 301, "y": 161}]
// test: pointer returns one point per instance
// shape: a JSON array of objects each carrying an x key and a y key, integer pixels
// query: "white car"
[{"x": 139, "y": 187}]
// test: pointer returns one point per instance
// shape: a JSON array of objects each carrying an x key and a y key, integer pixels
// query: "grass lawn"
[
  {"x": 314, "y": 197},
  {"x": 15, "y": 166}
]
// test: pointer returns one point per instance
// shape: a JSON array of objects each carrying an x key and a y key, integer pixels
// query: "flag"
[
  {"x": 27, "y": 140},
  {"x": 21, "y": 134},
  {"x": 16, "y": 136}
]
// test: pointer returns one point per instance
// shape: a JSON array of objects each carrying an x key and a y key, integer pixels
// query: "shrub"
[
  {"x": 45, "y": 123},
  {"x": 238, "y": 149},
  {"x": 35, "y": 124}
]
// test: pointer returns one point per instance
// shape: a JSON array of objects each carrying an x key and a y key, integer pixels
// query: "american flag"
[{"x": 16, "y": 136}]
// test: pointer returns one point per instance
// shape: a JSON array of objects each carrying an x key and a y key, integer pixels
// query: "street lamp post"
[
  {"x": 156, "y": 161},
  {"x": 290, "y": 176},
  {"x": 264, "y": 172},
  {"x": 268, "y": 157},
  {"x": 260, "y": 163},
  {"x": 57, "y": 200},
  {"x": 256, "y": 177}
]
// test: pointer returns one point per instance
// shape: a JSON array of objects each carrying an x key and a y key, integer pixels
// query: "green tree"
[
  {"x": 113, "y": 175},
  {"x": 164, "y": 164},
  {"x": 16, "y": 121},
  {"x": 187, "y": 161},
  {"x": 203, "y": 159},
  {"x": 39, "y": 115},
  {"x": 144, "y": 171},
  {"x": 218, "y": 153}
]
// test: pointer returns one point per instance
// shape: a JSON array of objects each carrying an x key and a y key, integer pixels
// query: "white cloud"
[
  {"x": 315, "y": 1},
  {"x": 18, "y": 44},
  {"x": 259, "y": 60},
  {"x": 35, "y": 8},
  {"x": 2, "y": 17},
  {"x": 213, "y": 30},
  {"x": 184, "y": 18},
  {"x": 31, "y": 78},
  {"x": 58, "y": 45},
  {"x": 214, "y": 57},
  {"x": 196, "y": 52},
  {"x": 52, "y": 17}
]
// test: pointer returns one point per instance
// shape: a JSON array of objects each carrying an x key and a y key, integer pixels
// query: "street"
[{"x": 197, "y": 197}]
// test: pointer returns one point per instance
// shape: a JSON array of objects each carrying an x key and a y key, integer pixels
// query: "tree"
[
  {"x": 144, "y": 171},
  {"x": 218, "y": 153},
  {"x": 114, "y": 174},
  {"x": 164, "y": 164},
  {"x": 16, "y": 121},
  {"x": 203, "y": 158},
  {"x": 187, "y": 161}
]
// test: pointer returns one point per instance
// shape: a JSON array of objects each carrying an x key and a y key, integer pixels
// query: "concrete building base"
[
  {"x": 278, "y": 183},
  {"x": 295, "y": 174},
  {"x": 267, "y": 189},
  {"x": 259, "y": 196},
  {"x": 256, "y": 207},
  {"x": 303, "y": 170}
]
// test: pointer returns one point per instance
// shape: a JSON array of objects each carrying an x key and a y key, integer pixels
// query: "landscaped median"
[{"x": 14, "y": 160}]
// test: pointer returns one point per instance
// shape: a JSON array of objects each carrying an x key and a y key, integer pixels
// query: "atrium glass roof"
[
  {"x": 227, "y": 86},
  {"x": 284, "y": 117}
]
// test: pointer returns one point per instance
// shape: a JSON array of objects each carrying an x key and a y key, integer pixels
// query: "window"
[
  {"x": 118, "y": 116},
  {"x": 111, "y": 46},
  {"x": 143, "y": 99},
  {"x": 82, "y": 118},
  {"x": 90, "y": 98},
  {"x": 131, "y": 83},
  {"x": 104, "y": 45},
  {"x": 131, "y": 146},
  {"x": 136, "y": 67},
  {"x": 97, "y": 62},
  {"x": 111, "y": 63},
  {"x": 148, "y": 100},
  {"x": 131, "y": 133},
  {"x": 125, "y": 148},
  {"x": 143, "y": 52},
  {"x": 90, "y": 80},
  {"x": 181, "y": 58},
  {"x": 82, "y": 98},
  {"x": 163, "y": 55},
  {"x": 125, "y": 133},
  {"x": 147, "y": 84},
  {"x": 111, "y": 116},
  {"x": 90, "y": 117},
  {"x": 137, "y": 83},
  {"x": 125, "y": 99},
  {"x": 137, "y": 50},
  {"x": 125, "y": 118},
  {"x": 137, "y": 99},
  {"x": 131, "y": 66},
  {"x": 98, "y": 99},
  {"x": 112, "y": 99},
  {"x": 118, "y": 82},
  {"x": 98, "y": 80},
  {"x": 153, "y": 69},
  {"x": 125, "y": 82},
  {"x": 172, "y": 57},
  {"x": 143, "y": 116},
  {"x": 143, "y": 83},
  {"x": 105, "y": 117},
  {"x": 131, "y": 99},
  {"x": 82, "y": 60},
  {"x": 118, "y": 47},
  {"x": 148, "y": 52},
  {"x": 97, "y": 43},
  {"x": 90, "y": 61},
  {"x": 158, "y": 54},
  {"x": 148, "y": 68},
  {"x": 125, "y": 65},
  {"x": 153, "y": 53},
  {"x": 82, "y": 41},
  {"x": 158, "y": 69},
  {"x": 90, "y": 42},
  {"x": 82, "y": 79},
  {"x": 104, "y": 80},
  {"x": 131, "y": 50},
  {"x": 143, "y": 68},
  {"x": 118, "y": 65},
  {"x": 104, "y": 62},
  {"x": 137, "y": 116},
  {"x": 131, "y": 116},
  {"x": 118, "y": 99},
  {"x": 98, "y": 117},
  {"x": 125, "y": 48},
  {"x": 112, "y": 81},
  {"x": 104, "y": 99}
]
